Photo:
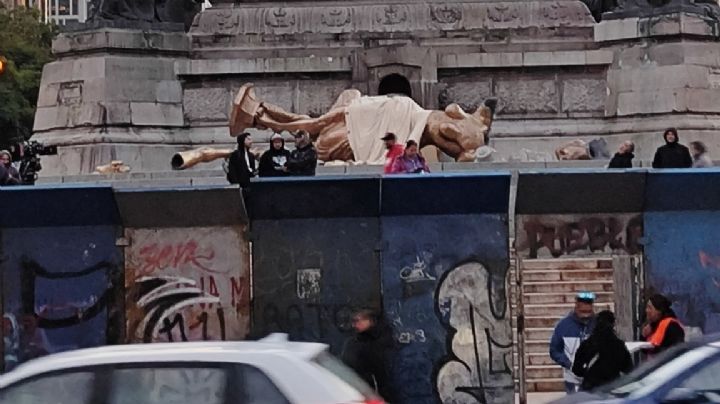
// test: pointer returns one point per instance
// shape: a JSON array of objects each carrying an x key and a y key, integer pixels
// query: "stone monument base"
[{"x": 113, "y": 94}]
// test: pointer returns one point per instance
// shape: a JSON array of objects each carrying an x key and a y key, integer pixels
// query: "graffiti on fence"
[
  {"x": 545, "y": 236},
  {"x": 187, "y": 285},
  {"x": 473, "y": 308},
  {"x": 56, "y": 310}
]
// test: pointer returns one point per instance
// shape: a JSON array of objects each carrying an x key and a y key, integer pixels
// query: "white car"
[{"x": 269, "y": 371}]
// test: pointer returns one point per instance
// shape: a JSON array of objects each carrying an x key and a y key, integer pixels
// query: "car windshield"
[
  {"x": 648, "y": 379},
  {"x": 347, "y": 375}
]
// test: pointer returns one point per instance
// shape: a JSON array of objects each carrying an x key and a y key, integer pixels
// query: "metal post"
[{"x": 520, "y": 329}]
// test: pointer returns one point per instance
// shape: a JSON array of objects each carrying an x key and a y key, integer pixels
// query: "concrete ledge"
[
  {"x": 671, "y": 24},
  {"x": 264, "y": 65},
  {"x": 528, "y": 59},
  {"x": 124, "y": 39}
]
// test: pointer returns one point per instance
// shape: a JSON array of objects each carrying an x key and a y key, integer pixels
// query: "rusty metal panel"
[
  {"x": 60, "y": 289},
  {"x": 683, "y": 262},
  {"x": 309, "y": 275},
  {"x": 187, "y": 284},
  {"x": 444, "y": 292}
]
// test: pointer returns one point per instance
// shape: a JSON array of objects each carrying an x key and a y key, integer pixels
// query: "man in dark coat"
[
  {"x": 672, "y": 154},
  {"x": 603, "y": 357},
  {"x": 241, "y": 166},
  {"x": 369, "y": 351},
  {"x": 303, "y": 160},
  {"x": 273, "y": 161},
  {"x": 624, "y": 156}
]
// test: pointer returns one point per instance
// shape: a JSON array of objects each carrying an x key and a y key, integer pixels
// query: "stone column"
[
  {"x": 664, "y": 73},
  {"x": 112, "y": 94}
]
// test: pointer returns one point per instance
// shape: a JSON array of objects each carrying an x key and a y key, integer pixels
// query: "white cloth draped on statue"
[{"x": 370, "y": 118}]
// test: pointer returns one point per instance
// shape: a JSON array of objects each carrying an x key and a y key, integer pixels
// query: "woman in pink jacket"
[{"x": 411, "y": 162}]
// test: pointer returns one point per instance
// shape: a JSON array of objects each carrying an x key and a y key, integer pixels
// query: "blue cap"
[{"x": 588, "y": 297}]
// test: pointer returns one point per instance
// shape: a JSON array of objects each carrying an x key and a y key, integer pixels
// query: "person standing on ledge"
[
  {"x": 672, "y": 154},
  {"x": 411, "y": 161},
  {"x": 272, "y": 162},
  {"x": 624, "y": 156},
  {"x": 394, "y": 150},
  {"x": 241, "y": 166},
  {"x": 701, "y": 158},
  {"x": 302, "y": 160}
]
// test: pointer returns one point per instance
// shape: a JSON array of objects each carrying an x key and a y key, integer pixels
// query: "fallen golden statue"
[
  {"x": 190, "y": 158},
  {"x": 115, "y": 166},
  {"x": 351, "y": 130}
]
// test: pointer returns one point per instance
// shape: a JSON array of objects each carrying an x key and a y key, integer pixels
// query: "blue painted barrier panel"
[
  {"x": 314, "y": 197},
  {"x": 310, "y": 275},
  {"x": 684, "y": 190},
  {"x": 61, "y": 283},
  {"x": 682, "y": 256},
  {"x": 56, "y": 206},
  {"x": 444, "y": 294},
  {"x": 444, "y": 194}
]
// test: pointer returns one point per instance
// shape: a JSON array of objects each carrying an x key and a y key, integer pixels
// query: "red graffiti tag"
[{"x": 156, "y": 257}]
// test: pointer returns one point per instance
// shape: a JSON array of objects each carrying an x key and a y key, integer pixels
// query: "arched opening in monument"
[{"x": 394, "y": 84}]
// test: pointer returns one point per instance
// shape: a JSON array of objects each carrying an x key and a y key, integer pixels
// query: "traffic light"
[{"x": 2, "y": 65}]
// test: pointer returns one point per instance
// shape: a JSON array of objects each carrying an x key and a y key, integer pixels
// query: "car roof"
[{"x": 231, "y": 352}]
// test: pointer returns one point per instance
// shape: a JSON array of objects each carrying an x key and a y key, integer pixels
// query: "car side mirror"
[{"x": 681, "y": 395}]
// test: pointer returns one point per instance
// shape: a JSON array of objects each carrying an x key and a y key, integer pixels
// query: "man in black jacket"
[
  {"x": 273, "y": 161},
  {"x": 303, "y": 160},
  {"x": 603, "y": 357},
  {"x": 672, "y": 154},
  {"x": 369, "y": 351},
  {"x": 624, "y": 156}
]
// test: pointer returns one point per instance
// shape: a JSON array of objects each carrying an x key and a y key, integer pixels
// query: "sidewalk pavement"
[{"x": 541, "y": 398}]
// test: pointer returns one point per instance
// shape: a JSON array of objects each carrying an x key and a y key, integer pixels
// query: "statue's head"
[{"x": 471, "y": 130}]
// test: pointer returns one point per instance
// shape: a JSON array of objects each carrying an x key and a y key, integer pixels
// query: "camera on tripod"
[{"x": 30, "y": 160}]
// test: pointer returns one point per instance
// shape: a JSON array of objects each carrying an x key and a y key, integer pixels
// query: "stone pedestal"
[
  {"x": 664, "y": 73},
  {"x": 112, "y": 94}
]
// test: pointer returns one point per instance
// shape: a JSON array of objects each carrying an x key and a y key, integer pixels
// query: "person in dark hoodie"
[
  {"x": 369, "y": 351},
  {"x": 662, "y": 329},
  {"x": 273, "y": 161},
  {"x": 624, "y": 156},
  {"x": 241, "y": 166},
  {"x": 603, "y": 357},
  {"x": 302, "y": 160},
  {"x": 672, "y": 154}
]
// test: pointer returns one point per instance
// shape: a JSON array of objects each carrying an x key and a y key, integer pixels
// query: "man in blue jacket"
[{"x": 568, "y": 335}]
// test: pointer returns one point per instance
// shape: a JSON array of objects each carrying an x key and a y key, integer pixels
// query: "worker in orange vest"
[{"x": 662, "y": 328}]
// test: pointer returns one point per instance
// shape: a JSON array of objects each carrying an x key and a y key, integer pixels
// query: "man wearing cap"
[
  {"x": 302, "y": 160},
  {"x": 394, "y": 150},
  {"x": 569, "y": 333},
  {"x": 273, "y": 161}
]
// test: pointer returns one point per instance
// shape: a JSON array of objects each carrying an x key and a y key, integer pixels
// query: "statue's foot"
[{"x": 244, "y": 110}]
